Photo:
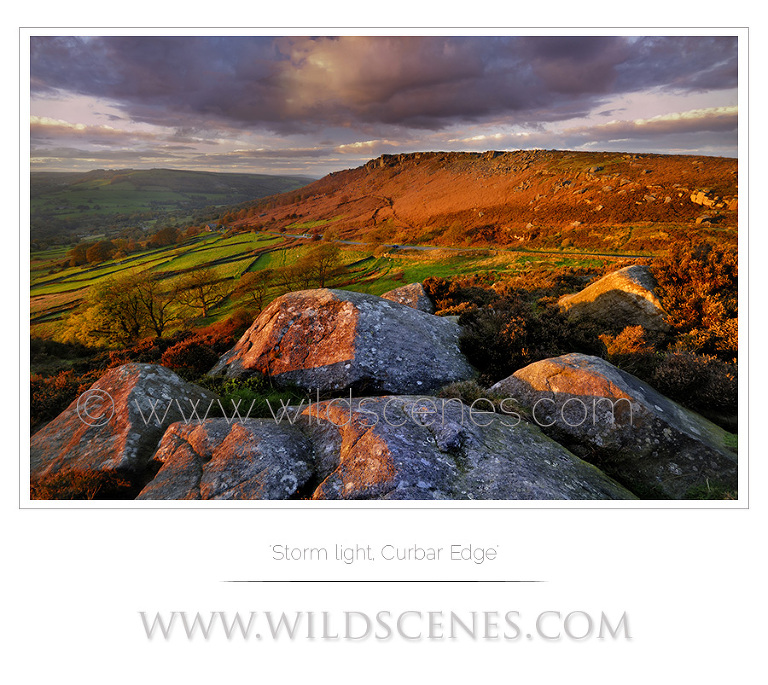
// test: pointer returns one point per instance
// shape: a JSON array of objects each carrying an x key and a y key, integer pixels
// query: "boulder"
[
  {"x": 622, "y": 298},
  {"x": 412, "y": 295},
  {"x": 218, "y": 459},
  {"x": 115, "y": 425},
  {"x": 426, "y": 448},
  {"x": 647, "y": 442},
  {"x": 330, "y": 340}
]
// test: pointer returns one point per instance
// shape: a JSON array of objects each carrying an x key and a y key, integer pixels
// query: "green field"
[{"x": 56, "y": 292}]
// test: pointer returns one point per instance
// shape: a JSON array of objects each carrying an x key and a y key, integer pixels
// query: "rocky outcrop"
[
  {"x": 650, "y": 444},
  {"x": 623, "y": 298},
  {"x": 329, "y": 340},
  {"x": 412, "y": 295},
  {"x": 416, "y": 448},
  {"x": 216, "y": 459},
  {"x": 707, "y": 198},
  {"x": 386, "y": 448},
  {"x": 116, "y": 424}
]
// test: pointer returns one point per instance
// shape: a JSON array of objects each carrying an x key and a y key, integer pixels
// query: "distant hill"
[
  {"x": 531, "y": 198},
  {"x": 68, "y": 204}
]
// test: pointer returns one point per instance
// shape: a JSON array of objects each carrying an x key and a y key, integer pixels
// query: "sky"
[{"x": 312, "y": 105}]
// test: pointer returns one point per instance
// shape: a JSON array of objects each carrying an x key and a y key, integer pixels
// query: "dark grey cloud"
[{"x": 302, "y": 84}]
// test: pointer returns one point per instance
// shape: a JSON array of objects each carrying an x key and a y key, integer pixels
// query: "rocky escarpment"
[
  {"x": 330, "y": 340},
  {"x": 649, "y": 443},
  {"x": 622, "y": 298}
]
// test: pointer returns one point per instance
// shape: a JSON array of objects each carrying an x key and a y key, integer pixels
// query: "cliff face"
[{"x": 511, "y": 197}]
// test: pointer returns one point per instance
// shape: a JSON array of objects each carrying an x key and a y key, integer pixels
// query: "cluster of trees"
[
  {"x": 314, "y": 270},
  {"x": 123, "y": 309},
  {"x": 101, "y": 251},
  {"x": 90, "y": 252}
]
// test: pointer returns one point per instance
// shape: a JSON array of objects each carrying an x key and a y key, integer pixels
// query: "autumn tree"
[
  {"x": 77, "y": 256},
  {"x": 160, "y": 304},
  {"x": 290, "y": 277},
  {"x": 100, "y": 252},
  {"x": 121, "y": 310},
  {"x": 202, "y": 289},
  {"x": 167, "y": 235},
  {"x": 255, "y": 285},
  {"x": 320, "y": 263},
  {"x": 112, "y": 314}
]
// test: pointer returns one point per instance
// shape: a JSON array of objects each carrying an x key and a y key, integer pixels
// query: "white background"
[{"x": 690, "y": 580}]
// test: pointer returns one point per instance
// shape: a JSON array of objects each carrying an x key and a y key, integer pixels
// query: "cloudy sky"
[{"x": 308, "y": 106}]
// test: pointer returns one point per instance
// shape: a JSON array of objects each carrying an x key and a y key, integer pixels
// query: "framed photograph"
[{"x": 411, "y": 347}]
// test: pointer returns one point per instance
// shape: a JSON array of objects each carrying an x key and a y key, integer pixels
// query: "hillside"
[
  {"x": 65, "y": 204},
  {"x": 537, "y": 198}
]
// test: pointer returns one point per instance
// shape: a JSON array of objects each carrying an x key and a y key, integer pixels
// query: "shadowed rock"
[
  {"x": 116, "y": 424},
  {"x": 622, "y": 298},
  {"x": 214, "y": 459},
  {"x": 412, "y": 295},
  {"x": 644, "y": 440},
  {"x": 330, "y": 340},
  {"x": 427, "y": 448}
]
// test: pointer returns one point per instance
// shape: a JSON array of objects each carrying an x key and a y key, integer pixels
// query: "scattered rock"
[
  {"x": 428, "y": 448},
  {"x": 116, "y": 424},
  {"x": 647, "y": 442},
  {"x": 622, "y": 298},
  {"x": 253, "y": 459},
  {"x": 329, "y": 340},
  {"x": 412, "y": 295}
]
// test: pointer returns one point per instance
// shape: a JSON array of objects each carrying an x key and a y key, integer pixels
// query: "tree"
[
  {"x": 201, "y": 290},
  {"x": 288, "y": 277},
  {"x": 159, "y": 304},
  {"x": 123, "y": 309},
  {"x": 320, "y": 263},
  {"x": 167, "y": 235},
  {"x": 100, "y": 252},
  {"x": 255, "y": 285},
  {"x": 112, "y": 314},
  {"x": 77, "y": 256}
]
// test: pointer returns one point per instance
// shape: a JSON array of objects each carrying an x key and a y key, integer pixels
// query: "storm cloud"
[{"x": 355, "y": 89}]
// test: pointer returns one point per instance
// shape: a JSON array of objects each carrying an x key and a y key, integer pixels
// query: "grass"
[{"x": 52, "y": 296}]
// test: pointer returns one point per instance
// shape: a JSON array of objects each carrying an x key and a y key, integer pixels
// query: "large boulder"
[
  {"x": 644, "y": 440},
  {"x": 622, "y": 298},
  {"x": 116, "y": 424},
  {"x": 416, "y": 448},
  {"x": 329, "y": 340},
  {"x": 412, "y": 295},
  {"x": 219, "y": 459}
]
